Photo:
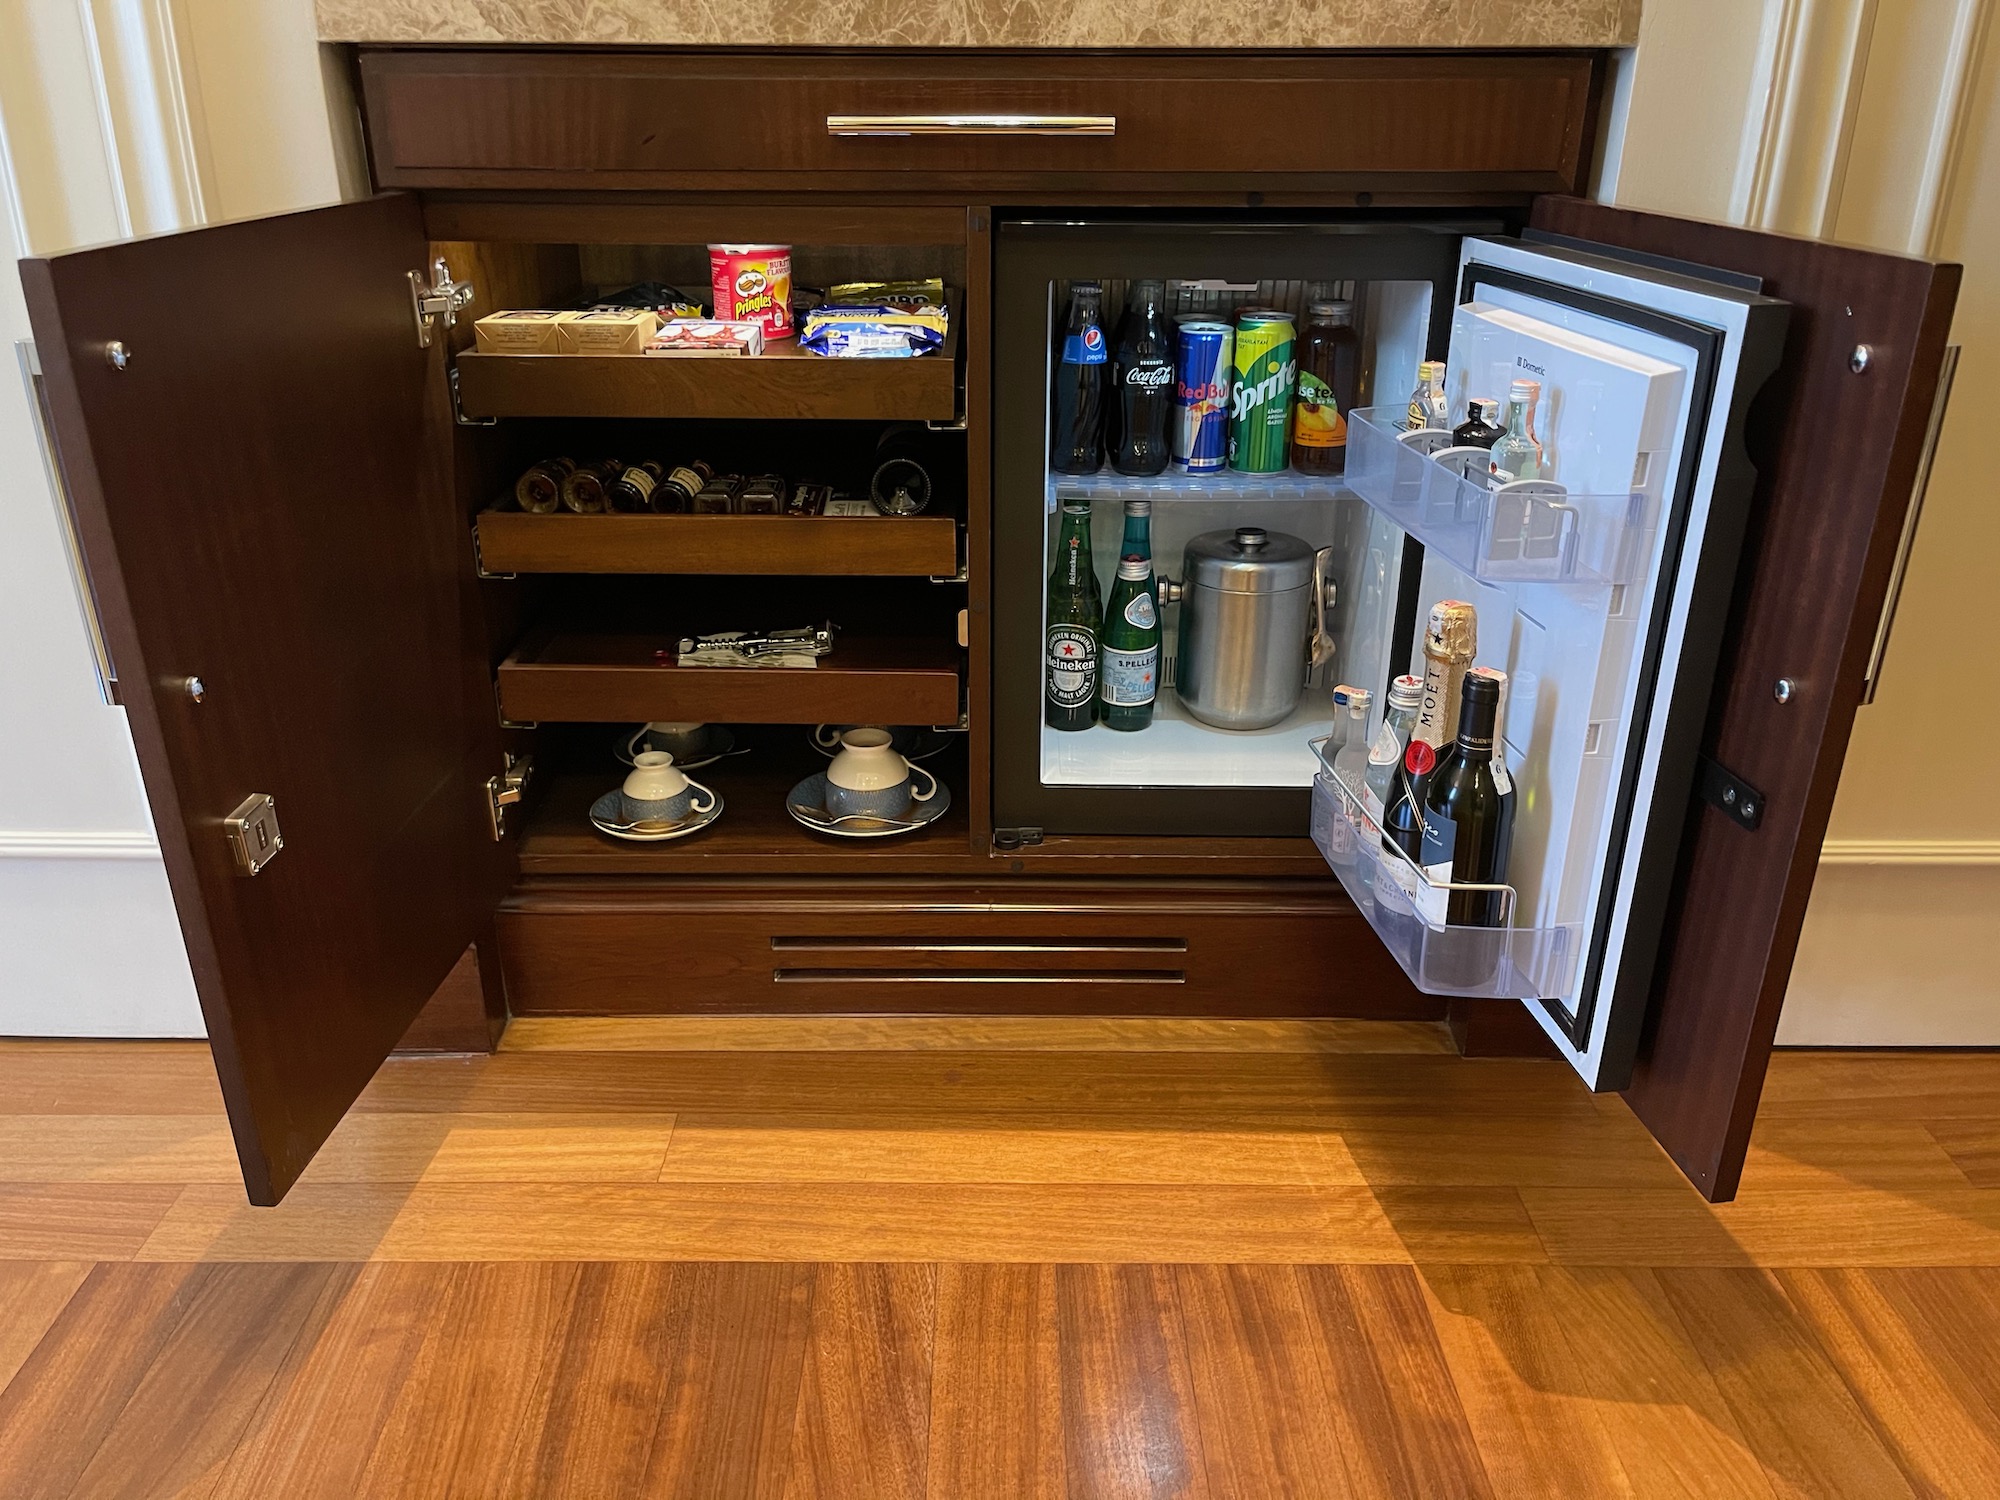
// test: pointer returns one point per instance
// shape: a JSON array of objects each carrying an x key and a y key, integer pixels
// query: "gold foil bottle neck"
[{"x": 1453, "y": 632}]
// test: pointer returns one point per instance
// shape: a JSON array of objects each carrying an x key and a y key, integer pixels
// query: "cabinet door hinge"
[
  {"x": 1005, "y": 839},
  {"x": 506, "y": 789},
  {"x": 437, "y": 303},
  {"x": 1730, "y": 795}
]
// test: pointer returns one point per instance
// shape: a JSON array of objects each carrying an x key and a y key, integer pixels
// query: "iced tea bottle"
[{"x": 1329, "y": 371}]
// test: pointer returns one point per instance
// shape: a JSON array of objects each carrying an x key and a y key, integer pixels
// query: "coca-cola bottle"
[
  {"x": 1076, "y": 439},
  {"x": 1142, "y": 379}
]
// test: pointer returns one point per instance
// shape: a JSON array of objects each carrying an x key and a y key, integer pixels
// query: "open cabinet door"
[
  {"x": 254, "y": 448},
  {"x": 1837, "y": 439}
]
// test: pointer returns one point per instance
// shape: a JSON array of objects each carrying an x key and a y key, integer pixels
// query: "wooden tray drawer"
[{"x": 1512, "y": 122}]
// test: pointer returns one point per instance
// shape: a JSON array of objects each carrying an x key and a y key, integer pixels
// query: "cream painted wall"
[
  {"x": 1876, "y": 124},
  {"x": 116, "y": 117}
]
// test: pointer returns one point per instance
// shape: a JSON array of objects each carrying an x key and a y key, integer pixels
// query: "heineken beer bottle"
[{"x": 1069, "y": 692}]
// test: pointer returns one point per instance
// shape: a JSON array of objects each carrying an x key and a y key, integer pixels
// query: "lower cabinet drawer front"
[
  {"x": 1290, "y": 951},
  {"x": 722, "y": 121}
]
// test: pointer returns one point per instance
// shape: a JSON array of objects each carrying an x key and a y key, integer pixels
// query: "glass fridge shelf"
[
  {"x": 1224, "y": 486},
  {"x": 1531, "y": 533},
  {"x": 1511, "y": 963}
]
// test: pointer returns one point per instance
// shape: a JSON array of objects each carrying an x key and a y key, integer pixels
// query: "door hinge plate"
[
  {"x": 1730, "y": 795},
  {"x": 506, "y": 789},
  {"x": 252, "y": 831},
  {"x": 437, "y": 303}
]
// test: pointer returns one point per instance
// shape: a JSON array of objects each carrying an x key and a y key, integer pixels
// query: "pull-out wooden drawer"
[{"x": 1464, "y": 124}]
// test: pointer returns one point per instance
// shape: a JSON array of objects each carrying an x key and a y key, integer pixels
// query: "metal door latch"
[
  {"x": 437, "y": 303},
  {"x": 1730, "y": 795},
  {"x": 1006, "y": 839},
  {"x": 506, "y": 789},
  {"x": 252, "y": 831}
]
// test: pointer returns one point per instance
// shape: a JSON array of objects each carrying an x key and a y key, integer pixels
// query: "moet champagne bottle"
[{"x": 1069, "y": 692}]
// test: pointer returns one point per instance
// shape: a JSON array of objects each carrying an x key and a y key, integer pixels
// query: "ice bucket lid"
[{"x": 1248, "y": 560}]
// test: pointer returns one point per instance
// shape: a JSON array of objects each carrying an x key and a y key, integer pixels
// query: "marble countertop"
[{"x": 988, "y": 23}]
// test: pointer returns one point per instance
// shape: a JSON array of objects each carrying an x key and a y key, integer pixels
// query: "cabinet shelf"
[
  {"x": 1224, "y": 485},
  {"x": 754, "y": 835},
  {"x": 784, "y": 381},
  {"x": 511, "y": 541},
  {"x": 587, "y": 677}
]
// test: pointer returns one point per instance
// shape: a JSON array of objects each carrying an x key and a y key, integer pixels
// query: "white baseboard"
[{"x": 73, "y": 843}]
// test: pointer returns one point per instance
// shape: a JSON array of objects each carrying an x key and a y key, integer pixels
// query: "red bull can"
[{"x": 1203, "y": 365}]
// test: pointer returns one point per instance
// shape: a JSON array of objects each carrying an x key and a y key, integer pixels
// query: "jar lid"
[{"x": 1249, "y": 560}]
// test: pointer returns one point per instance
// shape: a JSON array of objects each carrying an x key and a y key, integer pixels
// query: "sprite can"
[{"x": 1260, "y": 393}]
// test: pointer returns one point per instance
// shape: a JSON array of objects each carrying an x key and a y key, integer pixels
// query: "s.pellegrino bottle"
[
  {"x": 1128, "y": 675},
  {"x": 1451, "y": 637},
  {"x": 1076, "y": 436},
  {"x": 1069, "y": 693},
  {"x": 1468, "y": 812},
  {"x": 1142, "y": 384}
]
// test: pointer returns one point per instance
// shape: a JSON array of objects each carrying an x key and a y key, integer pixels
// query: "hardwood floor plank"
[
  {"x": 1463, "y": 1149},
  {"x": 480, "y": 1388},
  {"x": 740, "y": 1148},
  {"x": 1674, "y": 1433},
  {"x": 1461, "y": 1226},
  {"x": 1836, "y": 1155},
  {"x": 117, "y": 1148},
  {"x": 1972, "y": 1145},
  {"x": 1538, "y": 1429},
  {"x": 1931, "y": 1415},
  {"x": 864, "y": 1404},
  {"x": 1851, "y": 1084},
  {"x": 67, "y": 1395},
  {"x": 966, "y": 1033},
  {"x": 108, "y": 1078},
  {"x": 32, "y": 1296},
  {"x": 732, "y": 1393},
  {"x": 494, "y": 1148},
  {"x": 783, "y": 1221},
  {"x": 1392, "y": 1401},
  {"x": 81, "y": 1220},
  {"x": 315, "y": 1436},
  {"x": 1955, "y": 1310},
  {"x": 996, "y": 1413},
  {"x": 1129, "y": 1422},
  {"x": 1790, "y": 1404},
  {"x": 208, "y": 1380},
  {"x": 1261, "y": 1395}
]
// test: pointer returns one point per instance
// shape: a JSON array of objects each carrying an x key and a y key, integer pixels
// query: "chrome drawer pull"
[{"x": 889, "y": 125}]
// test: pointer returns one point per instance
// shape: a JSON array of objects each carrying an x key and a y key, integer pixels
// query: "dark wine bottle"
[
  {"x": 1468, "y": 816},
  {"x": 1450, "y": 639}
]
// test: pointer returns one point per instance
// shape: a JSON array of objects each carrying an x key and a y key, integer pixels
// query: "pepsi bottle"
[
  {"x": 1142, "y": 381},
  {"x": 1076, "y": 436}
]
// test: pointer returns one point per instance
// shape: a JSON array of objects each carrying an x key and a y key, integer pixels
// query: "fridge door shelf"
[
  {"x": 1509, "y": 963},
  {"x": 1532, "y": 532}
]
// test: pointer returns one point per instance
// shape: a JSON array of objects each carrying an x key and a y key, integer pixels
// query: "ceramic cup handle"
[
  {"x": 638, "y": 739},
  {"x": 917, "y": 796},
  {"x": 698, "y": 792},
  {"x": 826, "y": 736}
]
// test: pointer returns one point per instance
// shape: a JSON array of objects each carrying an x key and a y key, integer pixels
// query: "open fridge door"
[{"x": 1601, "y": 589}]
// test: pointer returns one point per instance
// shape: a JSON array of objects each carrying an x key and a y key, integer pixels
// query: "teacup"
[
  {"x": 685, "y": 741},
  {"x": 903, "y": 739},
  {"x": 869, "y": 779},
  {"x": 658, "y": 792}
]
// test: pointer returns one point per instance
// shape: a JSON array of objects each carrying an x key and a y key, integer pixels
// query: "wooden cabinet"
[{"x": 311, "y": 519}]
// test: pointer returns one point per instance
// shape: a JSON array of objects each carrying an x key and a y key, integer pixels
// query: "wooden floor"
[{"x": 880, "y": 1260}]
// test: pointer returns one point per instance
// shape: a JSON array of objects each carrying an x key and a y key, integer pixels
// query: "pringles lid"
[
  {"x": 1453, "y": 632},
  {"x": 1249, "y": 560}
]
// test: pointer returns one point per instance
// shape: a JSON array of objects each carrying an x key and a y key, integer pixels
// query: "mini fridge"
[{"x": 1602, "y": 593}]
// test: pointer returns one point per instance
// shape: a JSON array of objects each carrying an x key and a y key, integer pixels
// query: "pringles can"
[
  {"x": 1203, "y": 364},
  {"x": 1260, "y": 394},
  {"x": 753, "y": 284}
]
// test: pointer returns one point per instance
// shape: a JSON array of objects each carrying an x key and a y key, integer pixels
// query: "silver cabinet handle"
[
  {"x": 1947, "y": 372},
  {"x": 79, "y": 573},
  {"x": 891, "y": 125}
]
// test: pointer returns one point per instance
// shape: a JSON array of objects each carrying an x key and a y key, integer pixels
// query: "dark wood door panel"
[
  {"x": 270, "y": 512},
  {"x": 1508, "y": 122},
  {"x": 1837, "y": 453},
  {"x": 1243, "y": 948}
]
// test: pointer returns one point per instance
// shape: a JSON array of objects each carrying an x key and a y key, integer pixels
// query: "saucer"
[
  {"x": 605, "y": 818},
  {"x": 927, "y": 743},
  {"x": 807, "y": 805},
  {"x": 717, "y": 742}
]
